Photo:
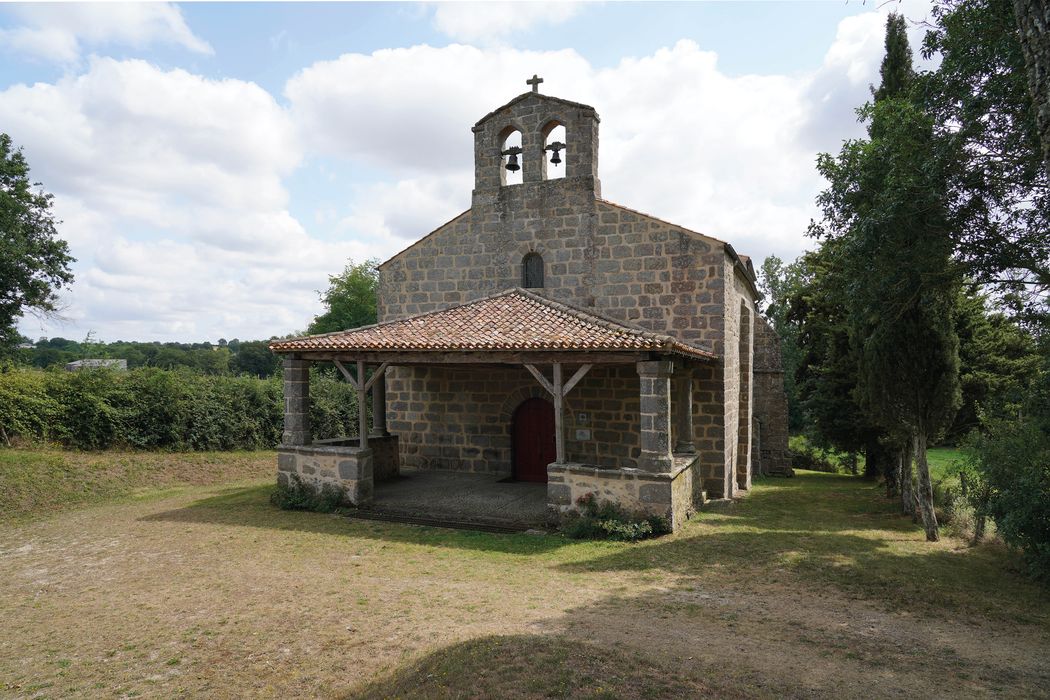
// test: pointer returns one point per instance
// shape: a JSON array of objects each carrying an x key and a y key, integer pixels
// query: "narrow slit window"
[{"x": 532, "y": 271}]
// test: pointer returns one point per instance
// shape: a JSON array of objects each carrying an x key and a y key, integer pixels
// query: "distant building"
[
  {"x": 95, "y": 364},
  {"x": 26, "y": 346}
]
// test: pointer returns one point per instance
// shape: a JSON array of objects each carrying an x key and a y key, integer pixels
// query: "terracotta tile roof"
[{"x": 513, "y": 321}]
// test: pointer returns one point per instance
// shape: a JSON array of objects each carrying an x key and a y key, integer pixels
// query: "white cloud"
[
  {"x": 173, "y": 187},
  {"x": 729, "y": 156},
  {"x": 59, "y": 31},
  {"x": 410, "y": 110},
  {"x": 488, "y": 22},
  {"x": 170, "y": 188},
  {"x": 680, "y": 139}
]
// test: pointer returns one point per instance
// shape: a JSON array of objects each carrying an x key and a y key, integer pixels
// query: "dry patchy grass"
[{"x": 809, "y": 587}]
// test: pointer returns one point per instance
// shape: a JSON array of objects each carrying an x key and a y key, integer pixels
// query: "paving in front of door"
[{"x": 462, "y": 498}]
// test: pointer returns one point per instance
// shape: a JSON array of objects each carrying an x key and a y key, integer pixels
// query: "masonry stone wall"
[
  {"x": 386, "y": 455},
  {"x": 637, "y": 491},
  {"x": 771, "y": 408},
  {"x": 348, "y": 469},
  {"x": 459, "y": 418}
]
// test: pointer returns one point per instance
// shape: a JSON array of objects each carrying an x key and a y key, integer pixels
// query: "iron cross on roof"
[{"x": 534, "y": 81}]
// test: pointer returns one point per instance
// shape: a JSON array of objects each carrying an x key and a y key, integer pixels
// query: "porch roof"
[{"x": 515, "y": 320}]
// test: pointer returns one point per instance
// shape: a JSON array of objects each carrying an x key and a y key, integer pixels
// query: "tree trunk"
[
  {"x": 1033, "y": 25},
  {"x": 925, "y": 494},
  {"x": 893, "y": 469},
  {"x": 979, "y": 525},
  {"x": 873, "y": 463},
  {"x": 905, "y": 482}
]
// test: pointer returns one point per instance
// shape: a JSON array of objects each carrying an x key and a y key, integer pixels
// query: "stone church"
[{"x": 550, "y": 335}]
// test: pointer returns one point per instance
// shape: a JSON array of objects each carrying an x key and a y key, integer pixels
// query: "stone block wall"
[
  {"x": 348, "y": 469},
  {"x": 460, "y": 418},
  {"x": 635, "y": 490},
  {"x": 386, "y": 455},
  {"x": 771, "y": 407}
]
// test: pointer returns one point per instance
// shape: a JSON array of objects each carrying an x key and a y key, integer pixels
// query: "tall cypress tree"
[
  {"x": 896, "y": 71},
  {"x": 887, "y": 205}
]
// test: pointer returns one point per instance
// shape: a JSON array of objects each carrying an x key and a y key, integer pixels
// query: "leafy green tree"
[
  {"x": 255, "y": 358},
  {"x": 887, "y": 205},
  {"x": 828, "y": 364},
  {"x": 1011, "y": 457},
  {"x": 997, "y": 186},
  {"x": 997, "y": 361},
  {"x": 350, "y": 300},
  {"x": 778, "y": 282},
  {"x": 34, "y": 261},
  {"x": 896, "y": 72}
]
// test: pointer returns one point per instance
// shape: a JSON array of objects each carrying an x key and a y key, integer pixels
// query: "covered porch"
[{"x": 622, "y": 404}]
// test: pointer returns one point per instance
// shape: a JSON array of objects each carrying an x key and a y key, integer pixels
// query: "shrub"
[
  {"x": 1012, "y": 486},
  {"x": 150, "y": 408},
  {"x": 805, "y": 456},
  {"x": 605, "y": 520},
  {"x": 296, "y": 494},
  {"x": 955, "y": 513}
]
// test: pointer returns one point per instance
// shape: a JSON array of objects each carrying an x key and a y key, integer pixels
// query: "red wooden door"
[{"x": 534, "y": 445}]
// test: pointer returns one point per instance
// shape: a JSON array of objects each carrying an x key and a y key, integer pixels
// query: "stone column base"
[
  {"x": 349, "y": 469},
  {"x": 637, "y": 491}
]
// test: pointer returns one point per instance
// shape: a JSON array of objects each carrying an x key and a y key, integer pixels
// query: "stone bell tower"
[{"x": 534, "y": 117}]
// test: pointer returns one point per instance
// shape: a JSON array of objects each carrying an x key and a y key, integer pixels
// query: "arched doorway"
[{"x": 533, "y": 436}]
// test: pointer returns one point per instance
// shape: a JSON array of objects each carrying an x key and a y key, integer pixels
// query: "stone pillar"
[
  {"x": 684, "y": 380},
  {"x": 296, "y": 402},
  {"x": 654, "y": 380},
  {"x": 362, "y": 408},
  {"x": 379, "y": 407}
]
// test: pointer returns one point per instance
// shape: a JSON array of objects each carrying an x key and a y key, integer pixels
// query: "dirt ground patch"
[{"x": 807, "y": 588}]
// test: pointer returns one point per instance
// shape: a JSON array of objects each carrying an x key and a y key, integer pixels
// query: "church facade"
[{"x": 548, "y": 334}]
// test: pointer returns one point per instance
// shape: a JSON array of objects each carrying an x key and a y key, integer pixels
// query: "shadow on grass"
[
  {"x": 250, "y": 507},
  {"x": 820, "y": 529},
  {"x": 814, "y": 530},
  {"x": 674, "y": 643},
  {"x": 535, "y": 666}
]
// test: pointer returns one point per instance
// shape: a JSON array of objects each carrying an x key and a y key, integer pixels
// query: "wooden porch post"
[
  {"x": 559, "y": 415},
  {"x": 558, "y": 391}
]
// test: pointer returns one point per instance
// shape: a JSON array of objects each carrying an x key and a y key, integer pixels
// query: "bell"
[
  {"x": 556, "y": 158},
  {"x": 512, "y": 163}
]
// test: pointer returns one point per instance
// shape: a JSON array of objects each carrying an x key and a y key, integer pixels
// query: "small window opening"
[
  {"x": 511, "y": 162},
  {"x": 532, "y": 271},
  {"x": 555, "y": 152}
]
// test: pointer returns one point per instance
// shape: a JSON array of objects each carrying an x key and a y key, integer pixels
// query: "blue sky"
[{"x": 213, "y": 163}]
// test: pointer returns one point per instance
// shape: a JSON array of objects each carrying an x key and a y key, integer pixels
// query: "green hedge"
[{"x": 150, "y": 408}]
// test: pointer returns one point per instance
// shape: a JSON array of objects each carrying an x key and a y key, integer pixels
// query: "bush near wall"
[
  {"x": 150, "y": 408},
  {"x": 805, "y": 455}
]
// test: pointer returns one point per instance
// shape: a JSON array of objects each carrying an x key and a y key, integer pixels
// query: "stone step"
[{"x": 479, "y": 525}]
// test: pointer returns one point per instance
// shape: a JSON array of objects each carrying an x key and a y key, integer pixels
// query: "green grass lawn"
[
  {"x": 941, "y": 459},
  {"x": 807, "y": 587}
]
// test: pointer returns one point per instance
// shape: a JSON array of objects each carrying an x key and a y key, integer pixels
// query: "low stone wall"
[
  {"x": 349, "y": 469},
  {"x": 668, "y": 494},
  {"x": 386, "y": 454}
]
